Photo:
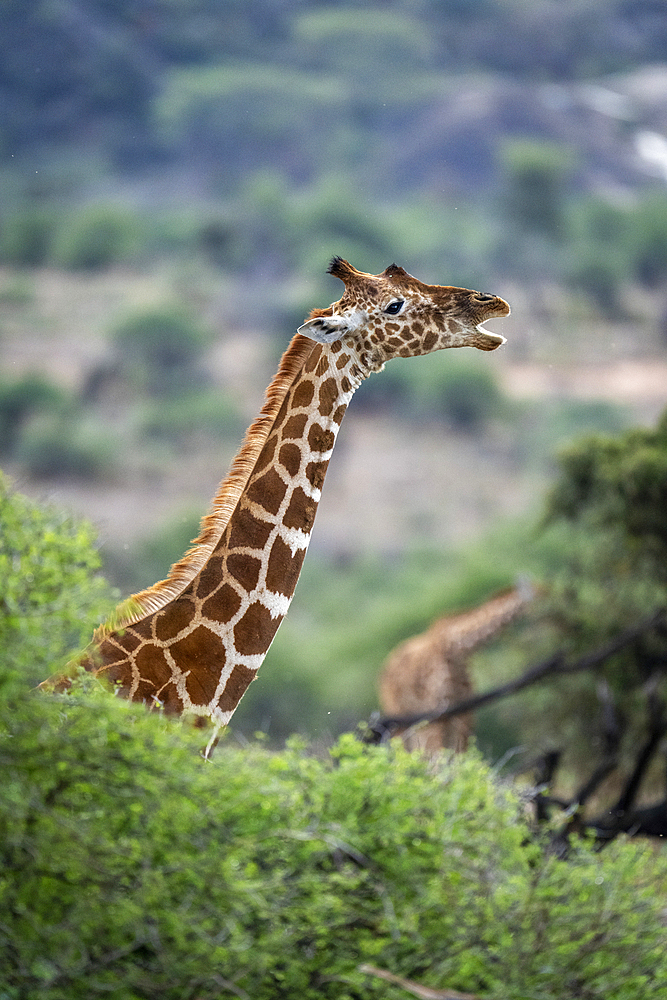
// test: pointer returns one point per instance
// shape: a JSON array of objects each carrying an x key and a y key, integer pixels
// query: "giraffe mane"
[{"x": 224, "y": 503}]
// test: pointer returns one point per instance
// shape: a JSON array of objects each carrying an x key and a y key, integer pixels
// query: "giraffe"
[
  {"x": 193, "y": 642},
  {"x": 429, "y": 671}
]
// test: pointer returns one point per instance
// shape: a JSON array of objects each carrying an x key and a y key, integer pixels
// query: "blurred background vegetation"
[{"x": 175, "y": 177}]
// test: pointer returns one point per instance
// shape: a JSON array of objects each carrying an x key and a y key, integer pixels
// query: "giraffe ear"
[
  {"x": 328, "y": 328},
  {"x": 325, "y": 329}
]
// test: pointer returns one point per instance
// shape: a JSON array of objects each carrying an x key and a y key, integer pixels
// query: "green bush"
[
  {"x": 598, "y": 260},
  {"x": 210, "y": 412},
  {"x": 95, "y": 237},
  {"x": 454, "y": 386},
  {"x": 42, "y": 428},
  {"x": 131, "y": 868},
  {"x": 26, "y": 237},
  {"x": 52, "y": 595},
  {"x": 66, "y": 447},
  {"x": 536, "y": 175},
  {"x": 649, "y": 246},
  {"x": 600, "y": 279},
  {"x": 18, "y": 290},
  {"x": 160, "y": 348},
  {"x": 21, "y": 402},
  {"x": 603, "y": 545}
]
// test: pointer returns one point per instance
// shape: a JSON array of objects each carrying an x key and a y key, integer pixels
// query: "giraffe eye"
[{"x": 395, "y": 307}]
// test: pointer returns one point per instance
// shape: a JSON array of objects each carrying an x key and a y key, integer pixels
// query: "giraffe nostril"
[{"x": 484, "y": 296}]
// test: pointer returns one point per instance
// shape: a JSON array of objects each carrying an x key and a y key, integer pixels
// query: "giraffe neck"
[
  {"x": 259, "y": 557},
  {"x": 198, "y": 651},
  {"x": 465, "y": 632}
]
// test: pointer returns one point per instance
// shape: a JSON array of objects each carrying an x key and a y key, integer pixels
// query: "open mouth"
[
  {"x": 496, "y": 338},
  {"x": 490, "y": 341}
]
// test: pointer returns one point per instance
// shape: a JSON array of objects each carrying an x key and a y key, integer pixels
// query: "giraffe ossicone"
[{"x": 193, "y": 642}]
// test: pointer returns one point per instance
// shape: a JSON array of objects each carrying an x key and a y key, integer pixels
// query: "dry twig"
[{"x": 423, "y": 992}]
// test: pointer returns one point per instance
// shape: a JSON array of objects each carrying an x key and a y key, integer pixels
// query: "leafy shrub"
[
  {"x": 604, "y": 545},
  {"x": 649, "y": 248},
  {"x": 23, "y": 400},
  {"x": 27, "y": 236},
  {"x": 453, "y": 386},
  {"x": 160, "y": 349},
  {"x": 205, "y": 108},
  {"x": 52, "y": 595},
  {"x": 599, "y": 255},
  {"x": 332, "y": 214},
  {"x": 131, "y": 868},
  {"x": 535, "y": 181},
  {"x": 619, "y": 483},
  {"x": 42, "y": 428},
  {"x": 66, "y": 447},
  {"x": 211, "y": 413},
  {"x": 95, "y": 237},
  {"x": 600, "y": 279}
]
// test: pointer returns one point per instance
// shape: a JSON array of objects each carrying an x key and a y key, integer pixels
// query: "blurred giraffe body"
[
  {"x": 193, "y": 642},
  {"x": 428, "y": 672}
]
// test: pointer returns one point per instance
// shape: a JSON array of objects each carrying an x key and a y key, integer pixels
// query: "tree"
[
  {"x": 535, "y": 178},
  {"x": 605, "y": 543}
]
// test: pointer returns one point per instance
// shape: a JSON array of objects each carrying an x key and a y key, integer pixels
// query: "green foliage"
[
  {"x": 600, "y": 280},
  {"x": 295, "y": 116},
  {"x": 619, "y": 483},
  {"x": 95, "y": 237},
  {"x": 611, "y": 245},
  {"x": 189, "y": 416},
  {"x": 361, "y": 46},
  {"x": 604, "y": 240},
  {"x": 66, "y": 446},
  {"x": 26, "y": 237},
  {"x": 536, "y": 174},
  {"x": 160, "y": 349},
  {"x": 309, "y": 90},
  {"x": 18, "y": 291},
  {"x": 650, "y": 240},
  {"x": 43, "y": 428},
  {"x": 603, "y": 548},
  {"x": 22, "y": 401},
  {"x": 132, "y": 868},
  {"x": 52, "y": 595},
  {"x": 333, "y": 214},
  {"x": 454, "y": 386}
]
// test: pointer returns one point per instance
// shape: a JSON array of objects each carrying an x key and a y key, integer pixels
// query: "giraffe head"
[{"x": 389, "y": 315}]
